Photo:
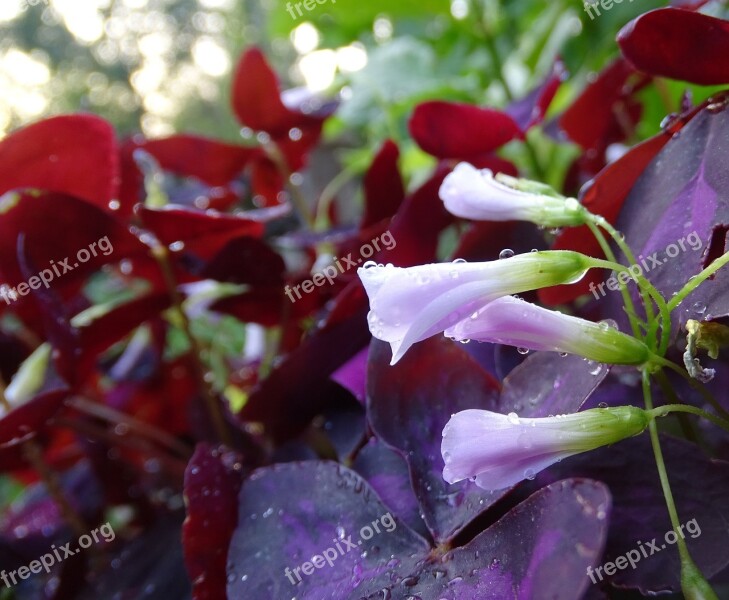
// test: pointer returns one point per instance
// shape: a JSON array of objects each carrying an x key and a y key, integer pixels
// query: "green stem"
[
  {"x": 686, "y": 424},
  {"x": 627, "y": 300},
  {"x": 647, "y": 289},
  {"x": 662, "y": 411},
  {"x": 705, "y": 394},
  {"x": 698, "y": 280},
  {"x": 691, "y": 577},
  {"x": 298, "y": 200},
  {"x": 327, "y": 196}
]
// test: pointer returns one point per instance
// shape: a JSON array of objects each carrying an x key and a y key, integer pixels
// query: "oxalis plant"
[{"x": 475, "y": 301}]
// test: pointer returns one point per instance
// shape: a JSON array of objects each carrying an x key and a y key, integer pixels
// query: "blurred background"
[{"x": 160, "y": 66}]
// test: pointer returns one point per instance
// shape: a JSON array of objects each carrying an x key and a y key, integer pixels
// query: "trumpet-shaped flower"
[
  {"x": 478, "y": 195},
  {"x": 498, "y": 451},
  {"x": 408, "y": 305},
  {"x": 518, "y": 323}
]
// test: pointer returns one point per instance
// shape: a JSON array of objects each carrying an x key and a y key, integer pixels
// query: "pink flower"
[
  {"x": 412, "y": 304},
  {"x": 498, "y": 451},
  {"x": 472, "y": 194},
  {"x": 515, "y": 322}
]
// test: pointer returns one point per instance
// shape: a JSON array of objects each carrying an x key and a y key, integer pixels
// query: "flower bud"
[
  {"x": 478, "y": 195},
  {"x": 498, "y": 451},
  {"x": 518, "y": 323},
  {"x": 411, "y": 304}
]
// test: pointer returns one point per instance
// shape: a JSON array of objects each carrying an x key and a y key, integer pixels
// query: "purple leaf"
[
  {"x": 701, "y": 491},
  {"x": 410, "y": 403},
  {"x": 562, "y": 385},
  {"x": 678, "y": 211},
  {"x": 530, "y": 110},
  {"x": 540, "y": 550},
  {"x": 387, "y": 472},
  {"x": 289, "y": 514}
]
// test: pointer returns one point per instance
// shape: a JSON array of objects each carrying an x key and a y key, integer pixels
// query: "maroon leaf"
[
  {"x": 257, "y": 99},
  {"x": 452, "y": 130},
  {"x": 74, "y": 155},
  {"x": 216, "y": 163},
  {"x": 212, "y": 481},
  {"x": 247, "y": 260},
  {"x": 30, "y": 417},
  {"x": 417, "y": 225},
  {"x": 60, "y": 227},
  {"x": 590, "y": 118},
  {"x": 679, "y": 44},
  {"x": 384, "y": 190},
  {"x": 203, "y": 233}
]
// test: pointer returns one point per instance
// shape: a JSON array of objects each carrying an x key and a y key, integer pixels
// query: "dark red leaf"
[
  {"x": 213, "y": 162},
  {"x": 679, "y": 44},
  {"x": 74, "y": 154},
  {"x": 590, "y": 118},
  {"x": 203, "y": 232},
  {"x": 384, "y": 190},
  {"x": 453, "y": 130},
  {"x": 246, "y": 260},
  {"x": 56, "y": 228},
  {"x": 257, "y": 99},
  {"x": 212, "y": 482}
]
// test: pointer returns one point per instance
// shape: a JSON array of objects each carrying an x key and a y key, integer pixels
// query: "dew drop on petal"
[
  {"x": 529, "y": 474},
  {"x": 506, "y": 253},
  {"x": 369, "y": 264},
  {"x": 523, "y": 350},
  {"x": 459, "y": 261},
  {"x": 513, "y": 418}
]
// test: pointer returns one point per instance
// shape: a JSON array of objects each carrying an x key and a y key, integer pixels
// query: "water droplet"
[
  {"x": 699, "y": 308},
  {"x": 114, "y": 205},
  {"x": 295, "y": 134},
  {"x": 506, "y": 253},
  {"x": 563, "y": 354},
  {"x": 529, "y": 474},
  {"x": 464, "y": 341},
  {"x": 459, "y": 261},
  {"x": 523, "y": 350},
  {"x": 596, "y": 370},
  {"x": 513, "y": 418},
  {"x": 369, "y": 264},
  {"x": 602, "y": 405}
]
